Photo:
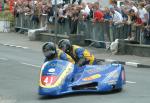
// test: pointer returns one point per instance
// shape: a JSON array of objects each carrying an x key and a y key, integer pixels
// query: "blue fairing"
[{"x": 59, "y": 77}]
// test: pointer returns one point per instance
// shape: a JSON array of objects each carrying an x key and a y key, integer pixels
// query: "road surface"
[{"x": 19, "y": 75}]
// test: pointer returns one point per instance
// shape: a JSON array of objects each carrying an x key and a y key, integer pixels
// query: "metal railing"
[
  {"x": 26, "y": 21},
  {"x": 99, "y": 32}
]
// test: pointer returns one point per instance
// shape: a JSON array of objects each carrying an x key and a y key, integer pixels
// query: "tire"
[{"x": 117, "y": 90}]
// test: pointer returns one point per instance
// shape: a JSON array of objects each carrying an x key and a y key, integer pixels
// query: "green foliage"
[{"x": 6, "y": 15}]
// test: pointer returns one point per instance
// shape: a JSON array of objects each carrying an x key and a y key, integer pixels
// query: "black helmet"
[
  {"x": 49, "y": 50},
  {"x": 64, "y": 45}
]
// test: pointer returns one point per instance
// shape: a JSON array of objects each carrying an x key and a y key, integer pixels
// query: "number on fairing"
[{"x": 46, "y": 80}]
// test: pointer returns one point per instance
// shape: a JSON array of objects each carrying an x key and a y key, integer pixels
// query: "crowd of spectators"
[{"x": 129, "y": 13}]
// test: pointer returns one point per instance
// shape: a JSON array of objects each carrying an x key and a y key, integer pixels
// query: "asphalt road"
[{"x": 19, "y": 74}]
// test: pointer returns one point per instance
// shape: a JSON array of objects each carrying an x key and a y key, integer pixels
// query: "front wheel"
[{"x": 117, "y": 90}]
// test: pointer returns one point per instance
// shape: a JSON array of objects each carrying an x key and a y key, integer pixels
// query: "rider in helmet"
[
  {"x": 50, "y": 52},
  {"x": 81, "y": 55}
]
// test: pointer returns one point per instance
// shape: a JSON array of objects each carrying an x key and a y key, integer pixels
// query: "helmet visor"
[
  {"x": 49, "y": 53},
  {"x": 63, "y": 47}
]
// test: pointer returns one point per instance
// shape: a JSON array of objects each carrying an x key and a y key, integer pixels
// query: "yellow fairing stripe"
[{"x": 60, "y": 79}]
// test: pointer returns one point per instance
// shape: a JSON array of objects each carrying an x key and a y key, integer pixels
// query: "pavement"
[{"x": 22, "y": 41}]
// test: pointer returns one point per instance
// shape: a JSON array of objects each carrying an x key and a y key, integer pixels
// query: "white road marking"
[
  {"x": 22, "y": 47},
  {"x": 3, "y": 59},
  {"x": 31, "y": 65},
  {"x": 110, "y": 60},
  {"x": 15, "y": 46},
  {"x": 132, "y": 64},
  {"x": 130, "y": 82}
]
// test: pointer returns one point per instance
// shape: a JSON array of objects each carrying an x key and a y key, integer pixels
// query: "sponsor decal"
[
  {"x": 114, "y": 74},
  {"x": 51, "y": 70},
  {"x": 111, "y": 82},
  {"x": 56, "y": 64},
  {"x": 95, "y": 70},
  {"x": 111, "y": 77},
  {"x": 92, "y": 77}
]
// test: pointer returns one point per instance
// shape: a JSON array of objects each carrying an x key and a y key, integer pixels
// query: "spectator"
[
  {"x": 50, "y": 13},
  {"x": 148, "y": 10},
  {"x": 133, "y": 7},
  {"x": 44, "y": 8},
  {"x": 19, "y": 6},
  {"x": 116, "y": 16},
  {"x": 84, "y": 11},
  {"x": 138, "y": 20},
  {"x": 115, "y": 6},
  {"x": 36, "y": 14},
  {"x": 134, "y": 17},
  {"x": 124, "y": 12},
  {"x": 147, "y": 28},
  {"x": 143, "y": 14},
  {"x": 98, "y": 15},
  {"x": 61, "y": 15},
  {"x": 133, "y": 23},
  {"x": 90, "y": 16},
  {"x": 26, "y": 7},
  {"x": 107, "y": 14},
  {"x": 74, "y": 20}
]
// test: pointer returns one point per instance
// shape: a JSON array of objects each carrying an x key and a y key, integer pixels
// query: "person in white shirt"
[
  {"x": 133, "y": 6},
  {"x": 143, "y": 14},
  {"x": 85, "y": 9},
  {"x": 117, "y": 17}
]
